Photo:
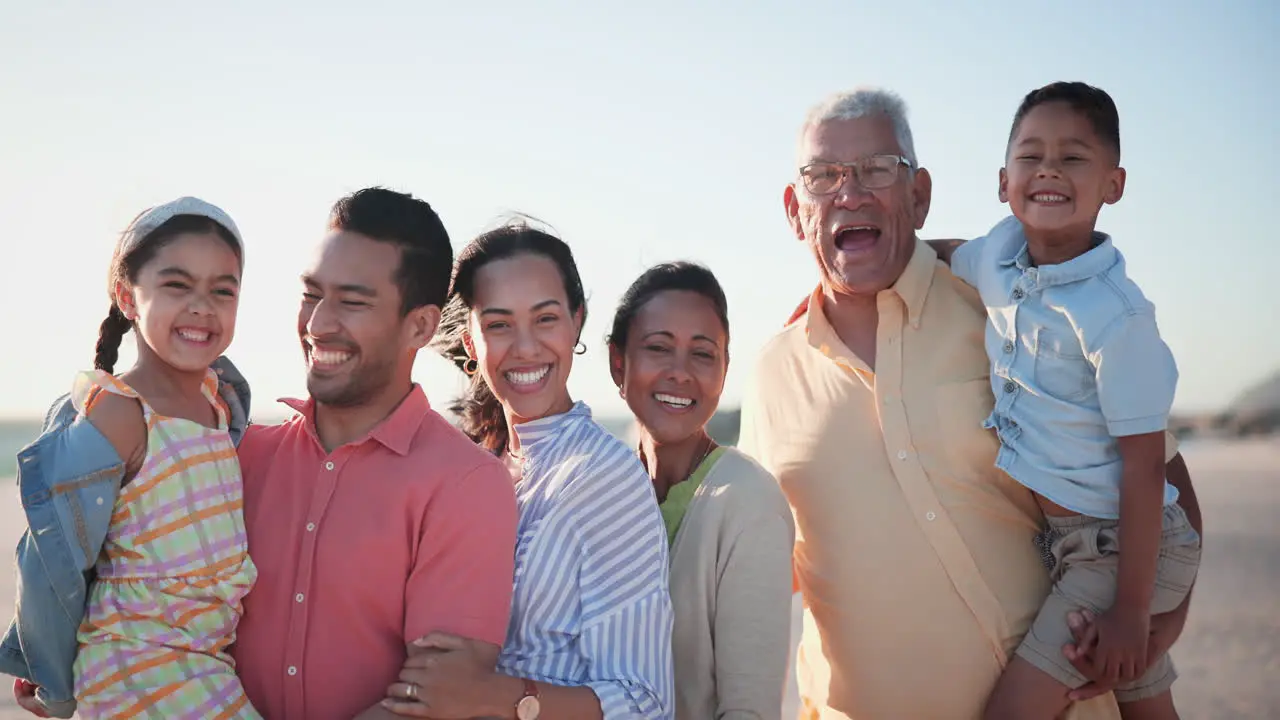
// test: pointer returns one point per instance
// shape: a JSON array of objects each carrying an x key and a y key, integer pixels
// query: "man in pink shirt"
[{"x": 372, "y": 521}]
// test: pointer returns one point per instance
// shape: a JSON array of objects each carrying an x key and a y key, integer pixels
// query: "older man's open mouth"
[{"x": 852, "y": 238}]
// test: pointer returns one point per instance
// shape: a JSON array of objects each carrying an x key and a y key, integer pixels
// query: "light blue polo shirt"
[{"x": 1076, "y": 361}]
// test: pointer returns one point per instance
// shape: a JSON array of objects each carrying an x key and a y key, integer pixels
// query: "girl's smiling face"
[{"x": 184, "y": 300}]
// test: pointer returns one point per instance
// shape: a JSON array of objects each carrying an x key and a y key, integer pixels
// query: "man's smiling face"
[
  {"x": 862, "y": 238},
  {"x": 350, "y": 322}
]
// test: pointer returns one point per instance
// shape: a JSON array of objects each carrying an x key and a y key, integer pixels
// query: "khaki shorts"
[{"x": 1086, "y": 555}]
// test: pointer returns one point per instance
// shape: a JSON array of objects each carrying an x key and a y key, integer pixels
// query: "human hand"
[
  {"x": 1121, "y": 635},
  {"x": 1164, "y": 631},
  {"x": 446, "y": 677},
  {"x": 24, "y": 691}
]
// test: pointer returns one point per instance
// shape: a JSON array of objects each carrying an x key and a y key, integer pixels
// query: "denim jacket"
[{"x": 68, "y": 479}]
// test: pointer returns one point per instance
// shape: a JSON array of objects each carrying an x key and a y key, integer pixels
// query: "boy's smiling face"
[{"x": 1059, "y": 172}]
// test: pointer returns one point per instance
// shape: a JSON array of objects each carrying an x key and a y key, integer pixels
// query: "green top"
[{"x": 680, "y": 495}]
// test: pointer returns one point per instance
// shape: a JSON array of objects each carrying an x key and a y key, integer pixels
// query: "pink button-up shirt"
[{"x": 361, "y": 551}]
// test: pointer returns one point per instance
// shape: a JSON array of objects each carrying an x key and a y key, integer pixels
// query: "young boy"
[{"x": 1083, "y": 386}]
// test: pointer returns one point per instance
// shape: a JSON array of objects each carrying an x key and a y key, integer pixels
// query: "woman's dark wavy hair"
[
  {"x": 687, "y": 276},
  {"x": 125, "y": 268},
  {"x": 481, "y": 415}
]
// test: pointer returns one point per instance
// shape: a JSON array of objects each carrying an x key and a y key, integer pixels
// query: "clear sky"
[{"x": 643, "y": 132}]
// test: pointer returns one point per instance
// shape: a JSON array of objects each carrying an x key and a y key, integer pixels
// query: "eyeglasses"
[{"x": 872, "y": 172}]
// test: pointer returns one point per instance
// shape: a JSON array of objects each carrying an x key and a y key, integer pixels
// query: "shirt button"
[
  {"x": 292, "y": 670},
  {"x": 902, "y": 454},
  {"x": 298, "y": 597},
  {"x": 1009, "y": 386},
  {"x": 311, "y": 527},
  {"x": 100, "y": 501},
  {"x": 930, "y": 516},
  {"x": 1008, "y": 346},
  {"x": 1018, "y": 294},
  {"x": 328, "y": 466}
]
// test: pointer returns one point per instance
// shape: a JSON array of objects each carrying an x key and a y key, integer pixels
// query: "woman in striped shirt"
[{"x": 591, "y": 621}]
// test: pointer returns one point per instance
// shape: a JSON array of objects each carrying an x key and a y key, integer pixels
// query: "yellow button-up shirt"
[{"x": 914, "y": 554}]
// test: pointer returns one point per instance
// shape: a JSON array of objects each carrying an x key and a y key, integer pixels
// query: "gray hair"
[{"x": 860, "y": 103}]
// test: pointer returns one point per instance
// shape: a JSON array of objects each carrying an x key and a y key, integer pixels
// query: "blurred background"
[{"x": 645, "y": 133}]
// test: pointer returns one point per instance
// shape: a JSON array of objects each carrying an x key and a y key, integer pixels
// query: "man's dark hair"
[
  {"x": 426, "y": 257},
  {"x": 1094, "y": 103}
]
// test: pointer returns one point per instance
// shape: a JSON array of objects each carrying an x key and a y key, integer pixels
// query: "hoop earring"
[
  {"x": 580, "y": 348},
  {"x": 471, "y": 366}
]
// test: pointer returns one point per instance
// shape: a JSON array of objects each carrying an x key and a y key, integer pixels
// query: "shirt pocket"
[{"x": 1061, "y": 369}]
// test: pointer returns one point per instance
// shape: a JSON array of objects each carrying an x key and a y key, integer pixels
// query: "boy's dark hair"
[
  {"x": 426, "y": 257},
  {"x": 1094, "y": 103}
]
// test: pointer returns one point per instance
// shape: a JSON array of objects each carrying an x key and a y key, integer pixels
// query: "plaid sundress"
[{"x": 171, "y": 575}]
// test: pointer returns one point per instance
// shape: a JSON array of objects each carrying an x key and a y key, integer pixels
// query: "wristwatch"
[{"x": 528, "y": 707}]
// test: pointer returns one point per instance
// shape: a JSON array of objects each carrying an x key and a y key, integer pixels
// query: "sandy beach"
[{"x": 1229, "y": 655}]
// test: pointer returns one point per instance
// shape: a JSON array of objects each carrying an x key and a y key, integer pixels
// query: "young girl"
[{"x": 172, "y": 565}]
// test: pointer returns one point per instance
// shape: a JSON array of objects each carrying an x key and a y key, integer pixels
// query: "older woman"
[{"x": 728, "y": 524}]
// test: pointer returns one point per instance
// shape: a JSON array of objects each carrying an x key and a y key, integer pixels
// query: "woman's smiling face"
[
  {"x": 522, "y": 334},
  {"x": 672, "y": 370}
]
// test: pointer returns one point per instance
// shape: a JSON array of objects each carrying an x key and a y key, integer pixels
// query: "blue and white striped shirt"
[{"x": 591, "y": 605}]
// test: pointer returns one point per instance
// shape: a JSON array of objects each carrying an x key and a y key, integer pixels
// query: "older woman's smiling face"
[{"x": 673, "y": 368}]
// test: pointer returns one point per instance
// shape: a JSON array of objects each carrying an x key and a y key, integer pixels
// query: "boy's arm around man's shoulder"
[
  {"x": 945, "y": 248},
  {"x": 963, "y": 256}
]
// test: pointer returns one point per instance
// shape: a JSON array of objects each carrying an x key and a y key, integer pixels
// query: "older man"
[{"x": 915, "y": 556}]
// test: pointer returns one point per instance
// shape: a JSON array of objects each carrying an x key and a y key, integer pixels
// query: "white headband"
[{"x": 152, "y": 218}]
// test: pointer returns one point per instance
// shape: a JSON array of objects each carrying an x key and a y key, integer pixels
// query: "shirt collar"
[
  {"x": 912, "y": 287},
  {"x": 916, "y": 279},
  {"x": 395, "y": 432},
  {"x": 1093, "y": 262},
  {"x": 538, "y": 431}
]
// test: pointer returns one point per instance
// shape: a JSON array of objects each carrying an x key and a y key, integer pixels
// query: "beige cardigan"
[{"x": 731, "y": 589}]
